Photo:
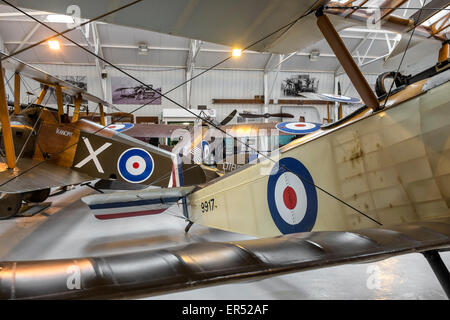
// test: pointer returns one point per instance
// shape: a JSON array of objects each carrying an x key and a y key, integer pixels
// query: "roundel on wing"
[
  {"x": 292, "y": 197},
  {"x": 135, "y": 165},
  {"x": 298, "y": 127},
  {"x": 205, "y": 149},
  {"x": 339, "y": 98},
  {"x": 119, "y": 127}
]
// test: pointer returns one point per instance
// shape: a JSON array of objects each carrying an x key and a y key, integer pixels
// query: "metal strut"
[
  {"x": 346, "y": 60},
  {"x": 188, "y": 227},
  {"x": 439, "y": 269}
]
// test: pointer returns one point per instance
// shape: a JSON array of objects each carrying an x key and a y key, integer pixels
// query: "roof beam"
[
  {"x": 27, "y": 37},
  {"x": 194, "y": 50},
  {"x": 98, "y": 63},
  {"x": 421, "y": 16},
  {"x": 392, "y": 5}
]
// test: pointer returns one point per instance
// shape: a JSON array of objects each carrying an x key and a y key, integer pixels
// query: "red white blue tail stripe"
[{"x": 134, "y": 203}]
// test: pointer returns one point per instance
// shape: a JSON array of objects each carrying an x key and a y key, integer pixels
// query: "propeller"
[
  {"x": 266, "y": 115},
  {"x": 228, "y": 118}
]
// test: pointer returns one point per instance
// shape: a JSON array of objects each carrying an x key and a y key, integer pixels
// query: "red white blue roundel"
[
  {"x": 135, "y": 165},
  {"x": 338, "y": 98},
  {"x": 205, "y": 149},
  {"x": 298, "y": 127},
  {"x": 292, "y": 197},
  {"x": 119, "y": 127}
]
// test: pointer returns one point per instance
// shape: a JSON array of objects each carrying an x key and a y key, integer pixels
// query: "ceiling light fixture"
[
  {"x": 54, "y": 44},
  {"x": 314, "y": 55},
  {"x": 143, "y": 49},
  {"x": 59, "y": 18},
  {"x": 236, "y": 52}
]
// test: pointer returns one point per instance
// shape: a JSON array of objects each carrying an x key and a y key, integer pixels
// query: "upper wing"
[
  {"x": 200, "y": 264},
  {"x": 233, "y": 22},
  {"x": 36, "y": 175},
  {"x": 145, "y": 130},
  {"x": 45, "y": 78}
]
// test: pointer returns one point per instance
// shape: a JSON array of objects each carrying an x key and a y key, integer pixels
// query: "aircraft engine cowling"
[{"x": 24, "y": 137}]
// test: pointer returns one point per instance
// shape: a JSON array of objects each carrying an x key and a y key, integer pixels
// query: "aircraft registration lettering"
[
  {"x": 208, "y": 205},
  {"x": 63, "y": 132}
]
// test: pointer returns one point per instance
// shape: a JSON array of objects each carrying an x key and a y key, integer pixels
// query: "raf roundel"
[
  {"x": 339, "y": 98},
  {"x": 292, "y": 197},
  {"x": 298, "y": 127},
  {"x": 135, "y": 165},
  {"x": 205, "y": 149},
  {"x": 119, "y": 127}
]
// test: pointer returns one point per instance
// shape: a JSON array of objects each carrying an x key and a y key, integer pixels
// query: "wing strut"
[
  {"x": 16, "y": 93},
  {"x": 77, "y": 102},
  {"x": 439, "y": 269},
  {"x": 346, "y": 60},
  {"x": 6, "y": 126},
  {"x": 42, "y": 95},
  {"x": 59, "y": 100},
  {"x": 102, "y": 114}
]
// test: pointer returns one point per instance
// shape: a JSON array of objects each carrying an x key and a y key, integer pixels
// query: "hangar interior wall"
[{"x": 214, "y": 84}]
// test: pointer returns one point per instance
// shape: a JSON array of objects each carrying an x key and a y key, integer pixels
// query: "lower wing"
[
  {"x": 31, "y": 175},
  {"x": 208, "y": 263}
]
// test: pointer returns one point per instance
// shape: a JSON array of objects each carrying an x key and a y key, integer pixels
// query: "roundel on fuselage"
[
  {"x": 135, "y": 165},
  {"x": 292, "y": 196}
]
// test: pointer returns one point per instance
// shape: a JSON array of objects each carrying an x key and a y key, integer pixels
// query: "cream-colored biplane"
[{"x": 371, "y": 186}]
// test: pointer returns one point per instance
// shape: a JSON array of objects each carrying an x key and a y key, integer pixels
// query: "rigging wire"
[
  {"x": 401, "y": 61},
  {"x": 383, "y": 8},
  {"x": 289, "y": 25}
]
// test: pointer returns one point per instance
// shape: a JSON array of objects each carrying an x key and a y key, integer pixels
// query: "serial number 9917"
[{"x": 207, "y": 205}]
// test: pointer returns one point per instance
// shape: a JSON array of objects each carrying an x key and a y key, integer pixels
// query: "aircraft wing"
[
  {"x": 210, "y": 263},
  {"x": 145, "y": 130},
  {"x": 45, "y": 78},
  {"x": 233, "y": 22},
  {"x": 36, "y": 175}
]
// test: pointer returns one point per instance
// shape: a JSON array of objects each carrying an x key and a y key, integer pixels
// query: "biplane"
[
  {"x": 43, "y": 148},
  {"x": 368, "y": 187}
]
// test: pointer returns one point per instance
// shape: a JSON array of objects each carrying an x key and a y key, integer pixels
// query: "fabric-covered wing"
[
  {"x": 148, "y": 130},
  {"x": 42, "y": 175},
  {"x": 45, "y": 78},
  {"x": 234, "y": 23},
  {"x": 200, "y": 264}
]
